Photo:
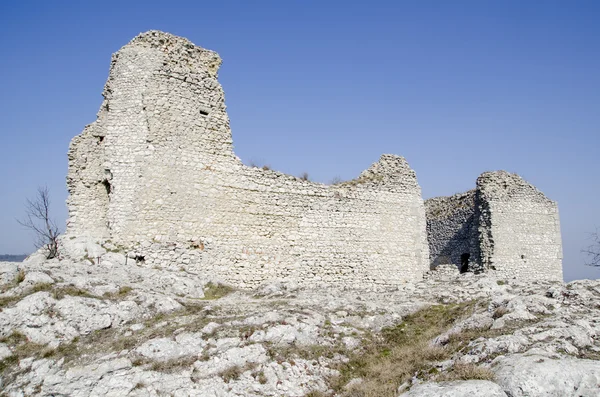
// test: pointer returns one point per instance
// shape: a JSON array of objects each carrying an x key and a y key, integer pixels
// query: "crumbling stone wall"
[
  {"x": 452, "y": 229},
  {"x": 519, "y": 228},
  {"x": 505, "y": 224},
  {"x": 156, "y": 175}
]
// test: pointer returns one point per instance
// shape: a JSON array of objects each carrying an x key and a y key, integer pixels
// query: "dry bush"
[
  {"x": 38, "y": 219},
  {"x": 20, "y": 277},
  {"x": 336, "y": 180},
  {"x": 231, "y": 373}
]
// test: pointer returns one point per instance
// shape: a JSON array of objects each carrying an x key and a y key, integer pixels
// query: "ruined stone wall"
[
  {"x": 505, "y": 224},
  {"x": 156, "y": 175},
  {"x": 520, "y": 228},
  {"x": 452, "y": 230}
]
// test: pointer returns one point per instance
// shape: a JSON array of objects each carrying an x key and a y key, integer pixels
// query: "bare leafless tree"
[
  {"x": 593, "y": 251},
  {"x": 38, "y": 220}
]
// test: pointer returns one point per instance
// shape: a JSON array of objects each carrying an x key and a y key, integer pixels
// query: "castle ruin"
[
  {"x": 504, "y": 224},
  {"x": 156, "y": 176}
]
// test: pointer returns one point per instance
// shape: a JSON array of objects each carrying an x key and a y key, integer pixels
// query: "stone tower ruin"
[
  {"x": 504, "y": 224},
  {"x": 157, "y": 176}
]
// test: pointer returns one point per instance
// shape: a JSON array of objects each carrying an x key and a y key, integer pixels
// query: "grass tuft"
[
  {"x": 231, "y": 373},
  {"x": 467, "y": 372},
  {"x": 71, "y": 290},
  {"x": 216, "y": 290}
]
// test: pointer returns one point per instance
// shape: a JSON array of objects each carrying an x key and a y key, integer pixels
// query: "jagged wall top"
[
  {"x": 156, "y": 173},
  {"x": 503, "y": 185},
  {"x": 178, "y": 49}
]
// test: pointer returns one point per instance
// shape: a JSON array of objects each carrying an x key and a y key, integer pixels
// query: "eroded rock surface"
[{"x": 103, "y": 328}]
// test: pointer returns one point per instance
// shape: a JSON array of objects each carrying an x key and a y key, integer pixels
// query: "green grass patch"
[{"x": 216, "y": 291}]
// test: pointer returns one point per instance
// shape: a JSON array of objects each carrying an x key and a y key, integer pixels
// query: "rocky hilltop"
[
  {"x": 184, "y": 272},
  {"x": 101, "y": 327}
]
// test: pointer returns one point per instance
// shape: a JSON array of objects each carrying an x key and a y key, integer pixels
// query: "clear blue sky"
[{"x": 325, "y": 87}]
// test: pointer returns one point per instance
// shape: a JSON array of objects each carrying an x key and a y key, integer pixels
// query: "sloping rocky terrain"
[{"x": 104, "y": 325}]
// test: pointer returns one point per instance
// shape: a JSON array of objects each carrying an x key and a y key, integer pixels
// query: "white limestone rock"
[
  {"x": 4, "y": 351},
  {"x": 8, "y": 273},
  {"x": 531, "y": 374},
  {"x": 234, "y": 356},
  {"x": 163, "y": 349},
  {"x": 469, "y": 388},
  {"x": 33, "y": 278}
]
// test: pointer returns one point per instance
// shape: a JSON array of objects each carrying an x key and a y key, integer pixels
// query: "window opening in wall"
[
  {"x": 204, "y": 112},
  {"x": 464, "y": 262},
  {"x": 139, "y": 259}
]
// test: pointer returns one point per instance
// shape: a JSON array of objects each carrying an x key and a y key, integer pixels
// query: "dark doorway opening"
[{"x": 464, "y": 262}]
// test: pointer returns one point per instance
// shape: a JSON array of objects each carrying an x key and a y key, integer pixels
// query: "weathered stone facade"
[
  {"x": 157, "y": 176},
  {"x": 452, "y": 229},
  {"x": 505, "y": 224}
]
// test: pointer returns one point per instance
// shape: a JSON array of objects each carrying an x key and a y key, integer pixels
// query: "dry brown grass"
[
  {"x": 315, "y": 393},
  {"x": 215, "y": 291},
  {"x": 400, "y": 352},
  {"x": 71, "y": 290},
  {"x": 20, "y": 277},
  {"x": 499, "y": 312},
  {"x": 467, "y": 372},
  {"x": 231, "y": 373},
  {"x": 173, "y": 365}
]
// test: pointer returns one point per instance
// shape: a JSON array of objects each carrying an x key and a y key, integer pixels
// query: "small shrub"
[
  {"x": 304, "y": 176},
  {"x": 20, "y": 277},
  {"x": 231, "y": 373},
  {"x": 261, "y": 377},
  {"x": 501, "y": 282},
  {"x": 335, "y": 180}
]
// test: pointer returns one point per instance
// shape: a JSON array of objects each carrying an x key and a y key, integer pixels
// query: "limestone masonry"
[
  {"x": 505, "y": 224},
  {"x": 155, "y": 176}
]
